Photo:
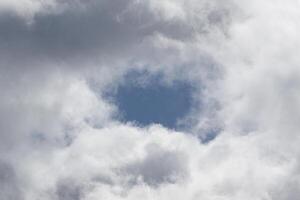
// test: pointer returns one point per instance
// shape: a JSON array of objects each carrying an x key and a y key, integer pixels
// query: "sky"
[
  {"x": 154, "y": 100},
  {"x": 145, "y": 103}
]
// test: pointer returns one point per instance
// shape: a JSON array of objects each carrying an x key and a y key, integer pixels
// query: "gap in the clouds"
[{"x": 146, "y": 98}]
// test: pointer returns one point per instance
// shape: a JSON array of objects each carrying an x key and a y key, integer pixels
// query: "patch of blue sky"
[{"x": 146, "y": 99}]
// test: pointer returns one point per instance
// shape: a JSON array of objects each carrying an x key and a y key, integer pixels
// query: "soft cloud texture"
[{"x": 59, "y": 135}]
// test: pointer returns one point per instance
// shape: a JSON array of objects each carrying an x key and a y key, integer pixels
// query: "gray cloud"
[
  {"x": 85, "y": 30},
  {"x": 158, "y": 167},
  {"x": 9, "y": 186},
  {"x": 66, "y": 190}
]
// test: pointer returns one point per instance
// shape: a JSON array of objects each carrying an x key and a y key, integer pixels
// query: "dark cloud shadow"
[
  {"x": 158, "y": 167},
  {"x": 9, "y": 189}
]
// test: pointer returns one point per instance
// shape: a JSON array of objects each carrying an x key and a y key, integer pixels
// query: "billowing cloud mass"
[{"x": 60, "y": 134}]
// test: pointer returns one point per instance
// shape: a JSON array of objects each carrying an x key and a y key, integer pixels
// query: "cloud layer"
[{"x": 59, "y": 135}]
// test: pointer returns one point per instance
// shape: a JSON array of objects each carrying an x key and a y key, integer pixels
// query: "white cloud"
[
  {"x": 59, "y": 139},
  {"x": 26, "y": 9}
]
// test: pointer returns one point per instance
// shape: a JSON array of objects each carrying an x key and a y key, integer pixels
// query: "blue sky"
[{"x": 154, "y": 102}]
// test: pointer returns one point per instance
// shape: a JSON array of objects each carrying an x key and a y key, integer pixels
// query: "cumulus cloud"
[{"x": 60, "y": 137}]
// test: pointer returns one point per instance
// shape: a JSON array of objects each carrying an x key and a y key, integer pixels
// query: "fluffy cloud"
[{"x": 59, "y": 135}]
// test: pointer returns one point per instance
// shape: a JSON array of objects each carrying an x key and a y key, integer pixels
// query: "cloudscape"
[{"x": 149, "y": 99}]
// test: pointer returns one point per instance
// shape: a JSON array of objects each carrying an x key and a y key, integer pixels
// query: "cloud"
[
  {"x": 157, "y": 167},
  {"x": 8, "y": 182},
  {"x": 67, "y": 191},
  {"x": 109, "y": 30},
  {"x": 59, "y": 135}
]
